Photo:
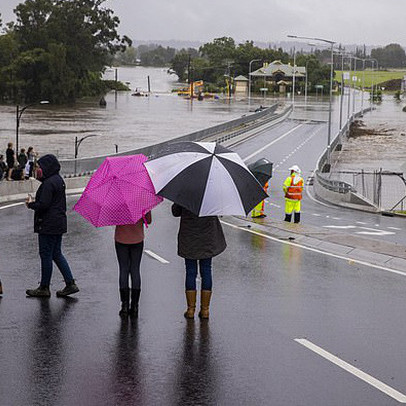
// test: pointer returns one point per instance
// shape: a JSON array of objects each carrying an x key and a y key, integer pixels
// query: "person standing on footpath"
[
  {"x": 293, "y": 188},
  {"x": 10, "y": 159},
  {"x": 22, "y": 159},
  {"x": 31, "y": 159},
  {"x": 3, "y": 168},
  {"x": 129, "y": 243},
  {"x": 199, "y": 240},
  {"x": 50, "y": 222}
]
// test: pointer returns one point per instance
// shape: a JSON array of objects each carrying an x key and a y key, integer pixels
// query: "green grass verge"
[{"x": 375, "y": 77}]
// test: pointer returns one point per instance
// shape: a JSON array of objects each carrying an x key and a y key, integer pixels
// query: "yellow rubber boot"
[
  {"x": 191, "y": 304},
  {"x": 205, "y": 297}
]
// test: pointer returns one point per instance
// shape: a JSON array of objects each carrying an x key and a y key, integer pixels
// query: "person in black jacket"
[
  {"x": 10, "y": 159},
  {"x": 50, "y": 223},
  {"x": 199, "y": 240}
]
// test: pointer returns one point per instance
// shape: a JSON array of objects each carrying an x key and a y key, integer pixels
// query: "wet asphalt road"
[
  {"x": 266, "y": 294},
  {"x": 302, "y": 143}
]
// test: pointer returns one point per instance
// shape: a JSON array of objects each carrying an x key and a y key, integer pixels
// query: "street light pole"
[
  {"x": 306, "y": 86},
  {"x": 331, "y": 43},
  {"x": 19, "y": 113},
  {"x": 77, "y": 145},
  {"x": 294, "y": 77},
  {"x": 249, "y": 79}
]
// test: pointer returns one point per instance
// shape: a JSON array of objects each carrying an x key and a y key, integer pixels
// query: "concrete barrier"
[{"x": 19, "y": 190}]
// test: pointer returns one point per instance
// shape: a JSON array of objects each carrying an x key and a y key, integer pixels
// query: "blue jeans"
[
  {"x": 191, "y": 273},
  {"x": 50, "y": 250}
]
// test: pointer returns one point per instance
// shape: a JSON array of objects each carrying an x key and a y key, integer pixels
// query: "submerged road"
[{"x": 288, "y": 326}]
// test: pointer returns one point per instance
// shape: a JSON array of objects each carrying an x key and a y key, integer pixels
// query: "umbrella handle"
[{"x": 144, "y": 219}]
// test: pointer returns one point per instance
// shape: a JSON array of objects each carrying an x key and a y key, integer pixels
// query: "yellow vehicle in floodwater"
[{"x": 195, "y": 88}]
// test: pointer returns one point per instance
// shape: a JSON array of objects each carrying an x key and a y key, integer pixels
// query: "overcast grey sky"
[{"x": 371, "y": 22}]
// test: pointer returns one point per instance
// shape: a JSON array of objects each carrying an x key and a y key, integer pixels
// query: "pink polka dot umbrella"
[{"x": 120, "y": 192}]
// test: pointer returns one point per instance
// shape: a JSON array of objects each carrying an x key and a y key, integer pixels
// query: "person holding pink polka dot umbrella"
[{"x": 120, "y": 193}]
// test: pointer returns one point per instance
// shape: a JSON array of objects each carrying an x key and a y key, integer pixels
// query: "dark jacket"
[
  {"x": 10, "y": 158},
  {"x": 50, "y": 199},
  {"x": 199, "y": 237}
]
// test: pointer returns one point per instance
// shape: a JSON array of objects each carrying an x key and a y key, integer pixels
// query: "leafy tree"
[
  {"x": 179, "y": 63},
  {"x": 62, "y": 47},
  {"x": 391, "y": 56},
  {"x": 127, "y": 57},
  {"x": 219, "y": 51}
]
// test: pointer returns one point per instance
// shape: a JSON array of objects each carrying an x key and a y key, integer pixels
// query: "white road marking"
[
  {"x": 273, "y": 142},
  {"x": 317, "y": 215},
  {"x": 370, "y": 231},
  {"x": 329, "y": 254},
  {"x": 156, "y": 256},
  {"x": 336, "y": 218},
  {"x": 394, "y": 228},
  {"x": 12, "y": 205},
  {"x": 340, "y": 227},
  {"x": 388, "y": 390},
  {"x": 361, "y": 222},
  {"x": 374, "y": 231}
]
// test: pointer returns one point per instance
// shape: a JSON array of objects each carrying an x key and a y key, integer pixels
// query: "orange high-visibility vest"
[{"x": 295, "y": 190}]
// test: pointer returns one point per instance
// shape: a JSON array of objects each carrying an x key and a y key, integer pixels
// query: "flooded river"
[{"x": 128, "y": 121}]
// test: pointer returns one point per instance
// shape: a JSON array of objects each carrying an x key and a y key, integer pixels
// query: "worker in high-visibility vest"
[
  {"x": 293, "y": 188},
  {"x": 259, "y": 210}
]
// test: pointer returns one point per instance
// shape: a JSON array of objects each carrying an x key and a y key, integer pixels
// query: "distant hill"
[{"x": 285, "y": 45}]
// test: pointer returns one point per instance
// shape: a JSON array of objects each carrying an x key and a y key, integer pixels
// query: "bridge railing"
[
  {"x": 325, "y": 176},
  {"x": 86, "y": 166}
]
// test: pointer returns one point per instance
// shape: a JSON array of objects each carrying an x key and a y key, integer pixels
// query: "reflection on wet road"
[{"x": 266, "y": 294}]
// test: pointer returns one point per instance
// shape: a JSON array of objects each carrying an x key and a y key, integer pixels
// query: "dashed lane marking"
[
  {"x": 383, "y": 387},
  {"x": 156, "y": 256},
  {"x": 329, "y": 254},
  {"x": 273, "y": 142},
  {"x": 394, "y": 228}
]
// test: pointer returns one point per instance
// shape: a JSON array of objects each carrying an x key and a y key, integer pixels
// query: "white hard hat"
[{"x": 295, "y": 168}]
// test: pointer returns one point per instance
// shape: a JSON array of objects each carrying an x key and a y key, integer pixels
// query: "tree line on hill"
[
  {"x": 57, "y": 50},
  {"x": 223, "y": 57}
]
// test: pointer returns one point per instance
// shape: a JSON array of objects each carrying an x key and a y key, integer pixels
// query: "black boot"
[
  {"x": 125, "y": 302},
  {"x": 41, "y": 291},
  {"x": 288, "y": 217},
  {"x": 69, "y": 289},
  {"x": 1, "y": 288},
  {"x": 297, "y": 218},
  {"x": 135, "y": 298}
]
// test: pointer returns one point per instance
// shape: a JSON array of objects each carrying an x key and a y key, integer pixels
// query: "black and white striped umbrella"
[{"x": 205, "y": 178}]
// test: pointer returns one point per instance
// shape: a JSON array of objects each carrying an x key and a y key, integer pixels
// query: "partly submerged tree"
[{"x": 62, "y": 46}]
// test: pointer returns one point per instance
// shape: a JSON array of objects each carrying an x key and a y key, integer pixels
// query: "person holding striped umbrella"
[{"x": 204, "y": 180}]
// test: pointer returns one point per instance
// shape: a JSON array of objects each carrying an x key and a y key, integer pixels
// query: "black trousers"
[{"x": 129, "y": 259}]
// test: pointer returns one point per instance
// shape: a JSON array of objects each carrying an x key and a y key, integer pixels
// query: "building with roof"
[
  {"x": 241, "y": 85},
  {"x": 278, "y": 77}
]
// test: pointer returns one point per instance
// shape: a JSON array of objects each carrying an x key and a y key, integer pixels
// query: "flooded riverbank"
[{"x": 127, "y": 121}]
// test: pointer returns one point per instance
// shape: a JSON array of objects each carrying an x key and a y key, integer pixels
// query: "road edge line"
[{"x": 369, "y": 379}]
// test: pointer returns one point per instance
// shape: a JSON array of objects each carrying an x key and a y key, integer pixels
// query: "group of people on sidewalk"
[
  {"x": 199, "y": 240},
  {"x": 17, "y": 167}
]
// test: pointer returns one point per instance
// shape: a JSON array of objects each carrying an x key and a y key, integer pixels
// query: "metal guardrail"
[
  {"x": 86, "y": 166},
  {"x": 335, "y": 185},
  {"x": 274, "y": 118}
]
